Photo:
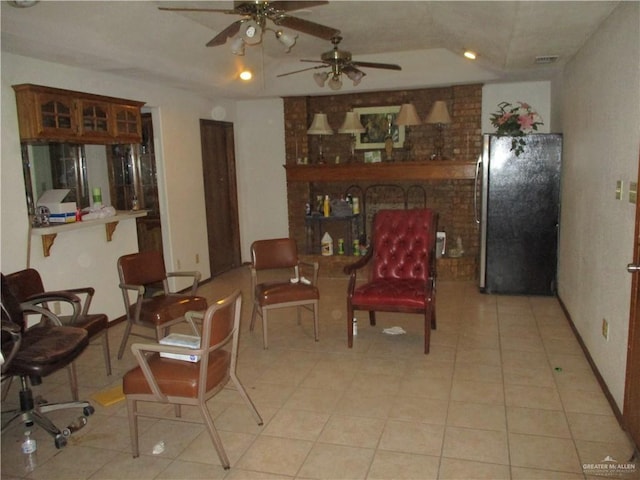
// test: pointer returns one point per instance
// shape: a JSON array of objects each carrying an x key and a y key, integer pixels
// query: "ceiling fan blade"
[
  {"x": 305, "y": 26},
  {"x": 186, "y": 9},
  {"x": 301, "y": 70},
  {"x": 228, "y": 32},
  {"x": 386, "y": 66},
  {"x": 291, "y": 6},
  {"x": 315, "y": 61}
]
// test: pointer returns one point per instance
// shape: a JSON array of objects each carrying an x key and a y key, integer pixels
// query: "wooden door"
[
  {"x": 631, "y": 412},
  {"x": 220, "y": 193}
]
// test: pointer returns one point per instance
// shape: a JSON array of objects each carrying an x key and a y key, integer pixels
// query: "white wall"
[
  {"x": 82, "y": 259},
  {"x": 260, "y": 159},
  {"x": 601, "y": 124},
  {"x": 536, "y": 94}
]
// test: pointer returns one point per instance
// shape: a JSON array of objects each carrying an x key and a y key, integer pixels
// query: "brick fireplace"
[{"x": 446, "y": 186}]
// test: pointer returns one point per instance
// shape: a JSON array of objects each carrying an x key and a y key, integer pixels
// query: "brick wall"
[{"x": 452, "y": 199}]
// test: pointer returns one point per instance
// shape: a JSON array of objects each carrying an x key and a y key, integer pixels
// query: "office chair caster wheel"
[
  {"x": 60, "y": 441},
  {"x": 75, "y": 426},
  {"x": 87, "y": 411}
]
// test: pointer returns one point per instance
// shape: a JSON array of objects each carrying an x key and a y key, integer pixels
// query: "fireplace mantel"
[{"x": 412, "y": 171}]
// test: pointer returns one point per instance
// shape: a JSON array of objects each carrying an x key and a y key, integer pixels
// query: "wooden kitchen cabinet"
[{"x": 47, "y": 114}]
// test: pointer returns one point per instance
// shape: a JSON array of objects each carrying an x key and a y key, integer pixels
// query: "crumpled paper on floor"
[{"x": 394, "y": 331}]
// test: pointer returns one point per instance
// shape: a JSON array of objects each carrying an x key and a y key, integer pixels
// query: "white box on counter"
[
  {"x": 54, "y": 201},
  {"x": 180, "y": 340}
]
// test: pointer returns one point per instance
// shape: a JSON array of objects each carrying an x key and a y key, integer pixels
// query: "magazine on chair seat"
[{"x": 180, "y": 340}]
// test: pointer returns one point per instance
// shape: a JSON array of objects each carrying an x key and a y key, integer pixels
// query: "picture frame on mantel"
[{"x": 376, "y": 122}]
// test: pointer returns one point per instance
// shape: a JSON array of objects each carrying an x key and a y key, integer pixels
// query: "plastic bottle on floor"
[{"x": 29, "y": 452}]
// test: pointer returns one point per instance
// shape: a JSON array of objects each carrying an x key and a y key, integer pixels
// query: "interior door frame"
[{"x": 631, "y": 409}]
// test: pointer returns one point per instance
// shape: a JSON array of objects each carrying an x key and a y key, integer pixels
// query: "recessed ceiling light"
[
  {"x": 470, "y": 55},
  {"x": 246, "y": 75}
]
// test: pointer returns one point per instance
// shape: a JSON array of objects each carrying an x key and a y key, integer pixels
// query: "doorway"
[
  {"x": 220, "y": 194},
  {"x": 631, "y": 411}
]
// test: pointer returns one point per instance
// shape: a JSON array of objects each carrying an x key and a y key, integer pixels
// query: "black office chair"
[{"x": 32, "y": 353}]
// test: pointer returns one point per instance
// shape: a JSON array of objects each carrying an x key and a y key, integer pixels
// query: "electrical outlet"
[
  {"x": 605, "y": 329},
  {"x": 197, "y": 258},
  {"x": 633, "y": 192},
  {"x": 56, "y": 308}
]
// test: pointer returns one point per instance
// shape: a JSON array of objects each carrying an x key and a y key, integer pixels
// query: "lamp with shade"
[
  {"x": 439, "y": 116},
  {"x": 320, "y": 126},
  {"x": 408, "y": 117},
  {"x": 352, "y": 126}
]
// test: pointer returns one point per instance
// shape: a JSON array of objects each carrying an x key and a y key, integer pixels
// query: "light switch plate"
[
  {"x": 618, "y": 189},
  {"x": 633, "y": 192}
]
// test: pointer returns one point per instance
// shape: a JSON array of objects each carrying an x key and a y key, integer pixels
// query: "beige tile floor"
[{"x": 506, "y": 393}]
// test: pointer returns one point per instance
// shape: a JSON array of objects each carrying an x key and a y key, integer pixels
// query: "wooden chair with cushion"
[
  {"x": 402, "y": 269},
  {"x": 180, "y": 382},
  {"x": 290, "y": 289},
  {"x": 28, "y": 286},
  {"x": 154, "y": 306}
]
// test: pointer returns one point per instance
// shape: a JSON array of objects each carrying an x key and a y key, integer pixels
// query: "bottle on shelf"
[
  {"x": 326, "y": 245},
  {"x": 356, "y": 206},
  {"x": 326, "y": 206}
]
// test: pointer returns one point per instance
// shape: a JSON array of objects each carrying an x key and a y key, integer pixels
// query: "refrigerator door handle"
[{"x": 475, "y": 189}]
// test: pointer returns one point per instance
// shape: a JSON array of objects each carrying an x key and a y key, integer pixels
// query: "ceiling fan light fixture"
[
  {"x": 320, "y": 78},
  {"x": 355, "y": 76},
  {"x": 237, "y": 46},
  {"x": 287, "y": 40},
  {"x": 335, "y": 83},
  {"x": 252, "y": 32},
  {"x": 246, "y": 75}
]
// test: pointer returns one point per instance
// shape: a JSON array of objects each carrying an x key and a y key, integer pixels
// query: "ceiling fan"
[
  {"x": 254, "y": 22},
  {"x": 340, "y": 61}
]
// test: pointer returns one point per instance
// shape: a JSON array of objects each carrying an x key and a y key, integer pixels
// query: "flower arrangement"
[{"x": 516, "y": 121}]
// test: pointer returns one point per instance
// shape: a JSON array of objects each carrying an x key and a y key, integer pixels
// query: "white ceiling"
[{"x": 134, "y": 39}]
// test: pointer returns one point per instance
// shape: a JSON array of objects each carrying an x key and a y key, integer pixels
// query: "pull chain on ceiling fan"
[{"x": 255, "y": 16}]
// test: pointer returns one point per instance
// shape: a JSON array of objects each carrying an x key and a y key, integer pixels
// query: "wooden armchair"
[{"x": 402, "y": 269}]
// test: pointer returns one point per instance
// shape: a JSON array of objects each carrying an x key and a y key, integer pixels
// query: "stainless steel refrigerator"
[{"x": 519, "y": 214}]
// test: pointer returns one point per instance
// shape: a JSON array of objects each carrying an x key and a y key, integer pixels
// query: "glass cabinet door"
[
  {"x": 95, "y": 119},
  {"x": 127, "y": 122},
  {"x": 124, "y": 175},
  {"x": 56, "y": 115}
]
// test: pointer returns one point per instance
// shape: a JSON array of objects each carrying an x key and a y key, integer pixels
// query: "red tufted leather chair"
[{"x": 402, "y": 269}]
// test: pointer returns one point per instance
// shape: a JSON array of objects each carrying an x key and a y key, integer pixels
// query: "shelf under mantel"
[{"x": 409, "y": 171}]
